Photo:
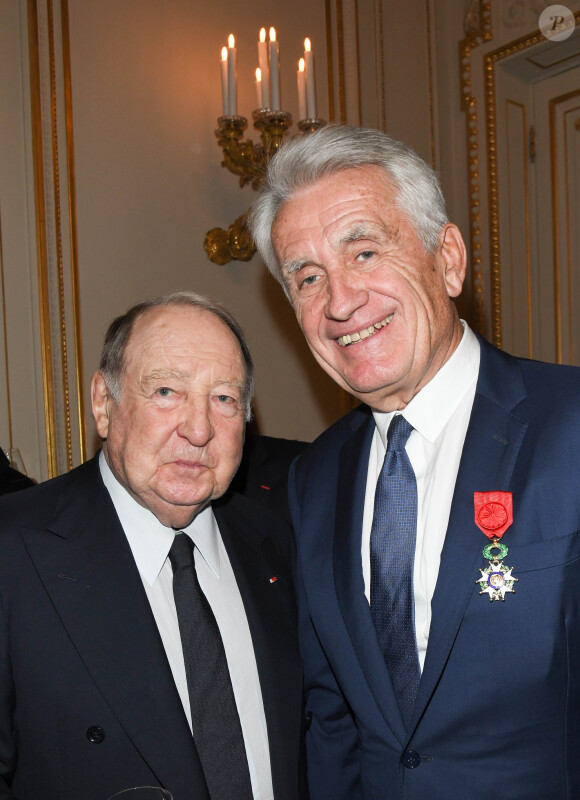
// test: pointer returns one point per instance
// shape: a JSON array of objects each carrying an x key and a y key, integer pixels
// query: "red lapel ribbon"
[{"x": 494, "y": 512}]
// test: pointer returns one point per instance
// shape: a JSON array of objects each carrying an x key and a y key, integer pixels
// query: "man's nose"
[
  {"x": 196, "y": 424},
  {"x": 345, "y": 295}
]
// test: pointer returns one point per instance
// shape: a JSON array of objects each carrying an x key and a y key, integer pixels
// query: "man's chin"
[{"x": 178, "y": 510}]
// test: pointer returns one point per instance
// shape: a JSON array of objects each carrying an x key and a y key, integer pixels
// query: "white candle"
[
  {"x": 224, "y": 69},
  {"x": 264, "y": 69},
  {"x": 232, "y": 83},
  {"x": 259, "y": 87},
  {"x": 274, "y": 71},
  {"x": 301, "y": 90},
  {"x": 310, "y": 83}
]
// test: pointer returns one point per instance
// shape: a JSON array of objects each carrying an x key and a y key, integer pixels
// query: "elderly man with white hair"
[{"x": 438, "y": 524}]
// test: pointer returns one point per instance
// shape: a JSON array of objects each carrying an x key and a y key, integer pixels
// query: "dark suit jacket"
[
  {"x": 10, "y": 479},
  {"x": 498, "y": 709},
  {"x": 263, "y": 472},
  {"x": 88, "y": 705}
]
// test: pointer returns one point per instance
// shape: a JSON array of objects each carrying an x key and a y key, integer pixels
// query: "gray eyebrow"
[
  {"x": 161, "y": 374},
  {"x": 358, "y": 232},
  {"x": 293, "y": 266}
]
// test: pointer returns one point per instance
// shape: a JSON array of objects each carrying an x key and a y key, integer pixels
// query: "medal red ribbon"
[{"x": 494, "y": 512}]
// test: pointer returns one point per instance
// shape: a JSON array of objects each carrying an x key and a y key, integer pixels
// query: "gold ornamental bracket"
[
  {"x": 248, "y": 162},
  {"x": 241, "y": 156},
  {"x": 235, "y": 244}
]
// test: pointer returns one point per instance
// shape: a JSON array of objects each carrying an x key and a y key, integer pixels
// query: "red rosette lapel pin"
[{"x": 494, "y": 514}]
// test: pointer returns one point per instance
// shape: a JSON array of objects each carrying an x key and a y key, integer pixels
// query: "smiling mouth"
[{"x": 351, "y": 338}]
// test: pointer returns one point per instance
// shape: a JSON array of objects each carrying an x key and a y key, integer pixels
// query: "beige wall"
[{"x": 146, "y": 98}]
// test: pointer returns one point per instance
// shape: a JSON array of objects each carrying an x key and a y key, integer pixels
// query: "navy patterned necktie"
[
  {"x": 214, "y": 716},
  {"x": 393, "y": 536}
]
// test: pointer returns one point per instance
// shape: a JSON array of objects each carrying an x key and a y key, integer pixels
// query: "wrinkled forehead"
[
  {"x": 183, "y": 333},
  {"x": 340, "y": 207},
  {"x": 322, "y": 191}
]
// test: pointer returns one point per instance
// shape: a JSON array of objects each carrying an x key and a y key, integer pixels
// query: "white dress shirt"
[
  {"x": 439, "y": 414},
  {"x": 150, "y": 542}
]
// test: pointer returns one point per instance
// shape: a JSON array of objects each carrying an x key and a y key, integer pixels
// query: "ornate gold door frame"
[{"x": 478, "y": 57}]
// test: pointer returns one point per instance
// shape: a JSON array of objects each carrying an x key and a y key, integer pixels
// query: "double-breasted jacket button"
[
  {"x": 307, "y": 719},
  {"x": 410, "y": 759},
  {"x": 95, "y": 734}
]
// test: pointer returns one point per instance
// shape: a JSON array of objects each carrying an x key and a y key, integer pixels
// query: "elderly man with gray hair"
[
  {"x": 438, "y": 523},
  {"x": 147, "y": 620}
]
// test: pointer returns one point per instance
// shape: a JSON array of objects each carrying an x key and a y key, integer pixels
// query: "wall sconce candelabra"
[{"x": 246, "y": 160}]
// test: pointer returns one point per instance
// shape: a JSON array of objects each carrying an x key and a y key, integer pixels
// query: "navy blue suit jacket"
[
  {"x": 88, "y": 705},
  {"x": 498, "y": 709}
]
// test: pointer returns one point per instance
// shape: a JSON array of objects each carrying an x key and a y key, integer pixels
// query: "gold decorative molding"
[
  {"x": 72, "y": 205},
  {"x": 569, "y": 243},
  {"x": 490, "y": 60},
  {"x": 49, "y": 57},
  {"x": 5, "y": 334},
  {"x": 58, "y": 236},
  {"x": 526, "y": 146},
  {"x": 478, "y": 30},
  {"x": 41, "y": 245},
  {"x": 554, "y": 102},
  {"x": 475, "y": 231},
  {"x": 555, "y": 238},
  {"x": 477, "y": 21},
  {"x": 478, "y": 27}
]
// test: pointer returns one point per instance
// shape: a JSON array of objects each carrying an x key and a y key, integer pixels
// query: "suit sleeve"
[
  {"x": 7, "y": 745},
  {"x": 332, "y": 742}
]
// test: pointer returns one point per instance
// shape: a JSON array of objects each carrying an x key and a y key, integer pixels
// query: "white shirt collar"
[
  {"x": 150, "y": 541},
  {"x": 432, "y": 408}
]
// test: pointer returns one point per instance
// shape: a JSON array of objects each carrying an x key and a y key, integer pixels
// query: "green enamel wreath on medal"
[{"x": 493, "y": 516}]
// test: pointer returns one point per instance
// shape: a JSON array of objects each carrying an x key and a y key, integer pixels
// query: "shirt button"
[
  {"x": 95, "y": 734},
  {"x": 411, "y": 759}
]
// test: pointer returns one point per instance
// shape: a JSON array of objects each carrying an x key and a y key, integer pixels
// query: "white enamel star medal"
[{"x": 493, "y": 516}]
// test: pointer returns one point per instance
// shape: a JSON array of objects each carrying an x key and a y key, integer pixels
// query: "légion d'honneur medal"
[{"x": 493, "y": 515}]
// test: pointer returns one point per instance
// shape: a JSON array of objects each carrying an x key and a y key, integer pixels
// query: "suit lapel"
[
  {"x": 492, "y": 443},
  {"x": 87, "y": 568},
  {"x": 348, "y": 573},
  {"x": 248, "y": 532}
]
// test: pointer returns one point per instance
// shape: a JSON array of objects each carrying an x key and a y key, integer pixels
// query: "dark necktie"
[
  {"x": 393, "y": 536},
  {"x": 215, "y": 721}
]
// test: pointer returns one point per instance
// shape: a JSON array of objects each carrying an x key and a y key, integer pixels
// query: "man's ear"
[
  {"x": 100, "y": 398},
  {"x": 454, "y": 254}
]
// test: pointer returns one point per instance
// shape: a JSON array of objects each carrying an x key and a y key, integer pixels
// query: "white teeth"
[{"x": 365, "y": 333}]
